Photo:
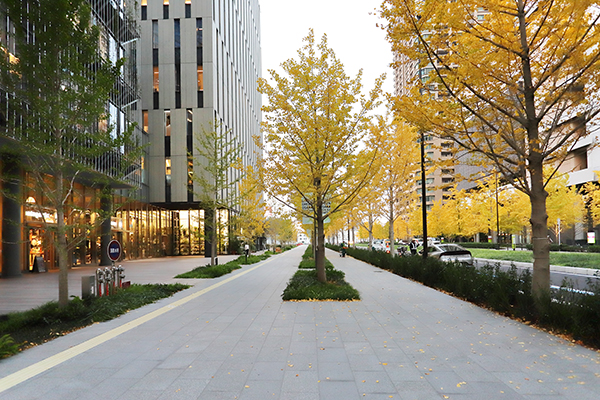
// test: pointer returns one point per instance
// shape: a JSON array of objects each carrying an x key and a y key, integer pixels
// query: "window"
[
  {"x": 189, "y": 130},
  {"x": 167, "y": 122},
  {"x": 188, "y": 8},
  {"x": 168, "y": 168},
  {"x": 446, "y": 154},
  {"x": 165, "y": 9},
  {"x": 177, "y": 31},
  {"x": 177, "y": 40},
  {"x": 429, "y": 199},
  {"x": 198, "y": 32},
  {"x": 200, "y": 78},
  {"x": 190, "y": 171},
  {"x": 154, "y": 34},
  {"x": 167, "y": 180},
  {"x": 144, "y": 10},
  {"x": 145, "y": 120},
  {"x": 429, "y": 181},
  {"x": 155, "y": 84}
]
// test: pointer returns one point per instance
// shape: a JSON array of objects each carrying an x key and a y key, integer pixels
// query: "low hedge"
[
  {"x": 508, "y": 292},
  {"x": 215, "y": 271},
  {"x": 304, "y": 285}
]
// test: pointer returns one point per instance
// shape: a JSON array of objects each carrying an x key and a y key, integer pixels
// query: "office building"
[
  {"x": 188, "y": 63},
  {"x": 199, "y": 65}
]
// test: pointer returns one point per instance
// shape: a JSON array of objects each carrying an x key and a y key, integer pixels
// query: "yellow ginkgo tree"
[
  {"x": 399, "y": 156},
  {"x": 591, "y": 191},
  {"x": 565, "y": 204},
  {"x": 314, "y": 123},
  {"x": 514, "y": 82}
]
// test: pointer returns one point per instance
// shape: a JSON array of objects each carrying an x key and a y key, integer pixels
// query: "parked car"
[
  {"x": 450, "y": 252},
  {"x": 381, "y": 245}
]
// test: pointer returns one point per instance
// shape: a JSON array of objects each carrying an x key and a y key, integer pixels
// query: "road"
[{"x": 580, "y": 278}]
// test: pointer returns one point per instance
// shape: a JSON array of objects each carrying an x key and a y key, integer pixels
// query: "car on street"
[{"x": 450, "y": 252}]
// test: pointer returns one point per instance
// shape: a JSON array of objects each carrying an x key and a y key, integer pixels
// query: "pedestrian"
[
  {"x": 246, "y": 250},
  {"x": 413, "y": 247}
]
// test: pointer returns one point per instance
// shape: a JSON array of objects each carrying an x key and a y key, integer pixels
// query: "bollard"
[
  {"x": 107, "y": 281},
  {"x": 100, "y": 282},
  {"x": 121, "y": 275},
  {"x": 118, "y": 275}
]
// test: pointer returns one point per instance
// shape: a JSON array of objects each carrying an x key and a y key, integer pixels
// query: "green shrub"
[
  {"x": 594, "y": 248},
  {"x": 210, "y": 271},
  {"x": 304, "y": 285},
  {"x": 8, "y": 347},
  {"x": 215, "y": 271}
]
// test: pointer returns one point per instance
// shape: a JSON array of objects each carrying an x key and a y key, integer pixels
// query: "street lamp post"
[
  {"x": 497, "y": 215},
  {"x": 423, "y": 194}
]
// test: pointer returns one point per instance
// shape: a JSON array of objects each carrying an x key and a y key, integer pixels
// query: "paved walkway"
[
  {"x": 32, "y": 290},
  {"x": 233, "y": 338}
]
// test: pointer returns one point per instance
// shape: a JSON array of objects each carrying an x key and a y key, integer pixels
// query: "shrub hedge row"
[{"x": 507, "y": 292}]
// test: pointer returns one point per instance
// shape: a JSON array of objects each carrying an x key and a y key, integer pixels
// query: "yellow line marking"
[{"x": 44, "y": 365}]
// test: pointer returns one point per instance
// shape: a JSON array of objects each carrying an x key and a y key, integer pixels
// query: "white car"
[
  {"x": 381, "y": 245},
  {"x": 450, "y": 252}
]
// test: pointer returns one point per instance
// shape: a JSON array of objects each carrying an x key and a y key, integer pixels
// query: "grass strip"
[
  {"x": 214, "y": 271},
  {"x": 304, "y": 285},
  {"x": 21, "y": 330},
  {"x": 580, "y": 260}
]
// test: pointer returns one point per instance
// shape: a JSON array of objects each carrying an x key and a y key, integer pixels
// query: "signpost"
[{"x": 114, "y": 251}]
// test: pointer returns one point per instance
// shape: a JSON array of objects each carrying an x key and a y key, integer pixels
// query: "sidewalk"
[
  {"x": 233, "y": 338},
  {"x": 32, "y": 290}
]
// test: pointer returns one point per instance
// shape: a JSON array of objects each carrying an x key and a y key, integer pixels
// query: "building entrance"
[{"x": 38, "y": 246}]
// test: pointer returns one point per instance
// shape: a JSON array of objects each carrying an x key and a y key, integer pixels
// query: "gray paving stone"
[
  {"x": 339, "y": 390},
  {"x": 267, "y": 371},
  {"x": 184, "y": 389},
  {"x": 261, "y": 390},
  {"x": 157, "y": 379},
  {"x": 300, "y": 396},
  {"x": 335, "y": 371}
]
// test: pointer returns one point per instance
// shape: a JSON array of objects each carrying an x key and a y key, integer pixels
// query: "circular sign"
[{"x": 114, "y": 250}]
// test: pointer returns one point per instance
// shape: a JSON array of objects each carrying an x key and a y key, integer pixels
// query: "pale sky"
[{"x": 351, "y": 33}]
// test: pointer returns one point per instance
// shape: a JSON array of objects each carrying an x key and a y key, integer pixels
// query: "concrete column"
[
  {"x": 105, "y": 230},
  {"x": 12, "y": 220}
]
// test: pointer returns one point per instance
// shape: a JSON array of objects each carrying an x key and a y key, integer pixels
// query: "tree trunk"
[
  {"x": 539, "y": 229},
  {"x": 213, "y": 242},
  {"x": 61, "y": 244},
  {"x": 370, "y": 232},
  {"x": 320, "y": 251}
]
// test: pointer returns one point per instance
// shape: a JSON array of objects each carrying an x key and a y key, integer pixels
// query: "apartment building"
[{"x": 452, "y": 164}]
